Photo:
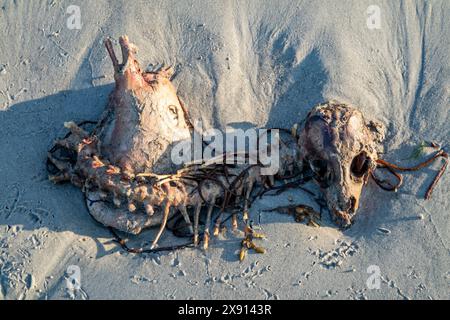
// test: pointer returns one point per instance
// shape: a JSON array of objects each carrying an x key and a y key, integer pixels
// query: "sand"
[{"x": 243, "y": 63}]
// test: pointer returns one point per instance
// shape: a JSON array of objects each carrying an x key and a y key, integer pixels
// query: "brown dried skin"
[
  {"x": 145, "y": 117},
  {"x": 341, "y": 149}
]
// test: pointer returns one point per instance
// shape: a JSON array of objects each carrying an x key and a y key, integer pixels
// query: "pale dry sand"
[{"x": 251, "y": 63}]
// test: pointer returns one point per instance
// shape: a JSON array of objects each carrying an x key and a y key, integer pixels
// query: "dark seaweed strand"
[
  {"x": 392, "y": 168},
  {"x": 125, "y": 247},
  {"x": 386, "y": 185}
]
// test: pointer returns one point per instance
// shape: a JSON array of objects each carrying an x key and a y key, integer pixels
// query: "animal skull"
[{"x": 341, "y": 149}]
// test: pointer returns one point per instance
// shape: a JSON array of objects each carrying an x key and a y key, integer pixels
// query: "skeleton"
[{"x": 124, "y": 168}]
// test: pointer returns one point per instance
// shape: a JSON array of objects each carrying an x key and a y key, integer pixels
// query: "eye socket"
[
  {"x": 174, "y": 111},
  {"x": 322, "y": 174},
  {"x": 360, "y": 165}
]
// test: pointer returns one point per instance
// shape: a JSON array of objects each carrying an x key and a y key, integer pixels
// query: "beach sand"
[{"x": 239, "y": 63}]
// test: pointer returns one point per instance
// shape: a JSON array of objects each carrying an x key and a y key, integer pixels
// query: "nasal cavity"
[{"x": 352, "y": 204}]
